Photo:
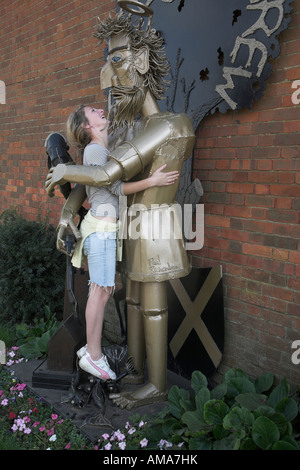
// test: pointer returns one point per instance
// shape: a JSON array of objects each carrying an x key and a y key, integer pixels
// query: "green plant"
[
  {"x": 7, "y": 335},
  {"x": 238, "y": 414},
  {"x": 32, "y": 271},
  {"x": 33, "y": 339}
]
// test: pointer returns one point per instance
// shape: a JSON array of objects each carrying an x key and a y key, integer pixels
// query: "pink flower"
[
  {"x": 27, "y": 431},
  {"x": 42, "y": 428},
  {"x": 54, "y": 416},
  {"x": 18, "y": 387},
  {"x": 50, "y": 432},
  {"x": 68, "y": 445},
  {"x": 4, "y": 402}
]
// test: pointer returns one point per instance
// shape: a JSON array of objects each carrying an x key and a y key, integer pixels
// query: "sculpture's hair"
[
  {"x": 140, "y": 37},
  {"x": 77, "y": 135}
]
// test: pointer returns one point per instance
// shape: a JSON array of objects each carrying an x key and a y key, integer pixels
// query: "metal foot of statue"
[
  {"x": 86, "y": 389},
  {"x": 143, "y": 396}
]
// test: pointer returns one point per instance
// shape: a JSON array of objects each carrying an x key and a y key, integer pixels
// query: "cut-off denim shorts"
[{"x": 100, "y": 249}]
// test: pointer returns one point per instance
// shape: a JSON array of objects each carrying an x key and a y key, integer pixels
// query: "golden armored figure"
[{"x": 134, "y": 71}]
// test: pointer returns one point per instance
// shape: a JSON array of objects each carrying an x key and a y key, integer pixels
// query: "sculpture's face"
[
  {"x": 123, "y": 68},
  {"x": 124, "y": 73}
]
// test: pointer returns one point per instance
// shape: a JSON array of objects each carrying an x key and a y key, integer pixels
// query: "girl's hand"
[{"x": 159, "y": 178}]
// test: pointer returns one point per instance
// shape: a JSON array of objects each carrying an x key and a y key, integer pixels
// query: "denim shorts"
[{"x": 100, "y": 249}]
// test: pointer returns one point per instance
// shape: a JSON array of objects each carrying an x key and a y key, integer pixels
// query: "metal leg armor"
[
  {"x": 154, "y": 318},
  {"x": 135, "y": 332},
  {"x": 155, "y": 312}
]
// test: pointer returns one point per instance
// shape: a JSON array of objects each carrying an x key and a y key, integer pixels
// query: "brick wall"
[
  {"x": 50, "y": 63},
  {"x": 247, "y": 162}
]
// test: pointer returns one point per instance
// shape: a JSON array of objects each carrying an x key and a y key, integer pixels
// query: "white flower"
[
  {"x": 53, "y": 437},
  {"x": 131, "y": 431}
]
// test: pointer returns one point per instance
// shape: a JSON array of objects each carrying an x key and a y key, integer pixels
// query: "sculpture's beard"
[{"x": 128, "y": 102}]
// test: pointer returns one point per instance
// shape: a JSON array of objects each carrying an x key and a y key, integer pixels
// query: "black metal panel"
[
  {"x": 201, "y": 38},
  {"x": 196, "y": 352}
]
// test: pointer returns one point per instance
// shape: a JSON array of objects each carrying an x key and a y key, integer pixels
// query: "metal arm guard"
[{"x": 57, "y": 150}]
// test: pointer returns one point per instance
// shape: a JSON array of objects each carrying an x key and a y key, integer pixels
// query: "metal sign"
[
  {"x": 219, "y": 51},
  {"x": 196, "y": 326}
]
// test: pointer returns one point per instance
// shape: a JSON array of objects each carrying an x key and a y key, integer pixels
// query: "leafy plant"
[
  {"x": 33, "y": 340},
  {"x": 32, "y": 271},
  {"x": 240, "y": 413}
]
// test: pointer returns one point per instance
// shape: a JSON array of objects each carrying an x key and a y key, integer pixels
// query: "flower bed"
[
  {"x": 32, "y": 425},
  {"x": 28, "y": 421},
  {"x": 241, "y": 413}
]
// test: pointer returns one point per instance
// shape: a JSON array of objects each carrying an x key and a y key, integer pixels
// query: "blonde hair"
[{"x": 77, "y": 135}]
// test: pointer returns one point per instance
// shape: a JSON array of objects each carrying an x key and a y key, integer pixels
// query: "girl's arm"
[{"x": 157, "y": 179}]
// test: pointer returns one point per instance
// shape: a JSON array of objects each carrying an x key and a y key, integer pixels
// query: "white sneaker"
[
  {"x": 81, "y": 352},
  {"x": 98, "y": 368}
]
